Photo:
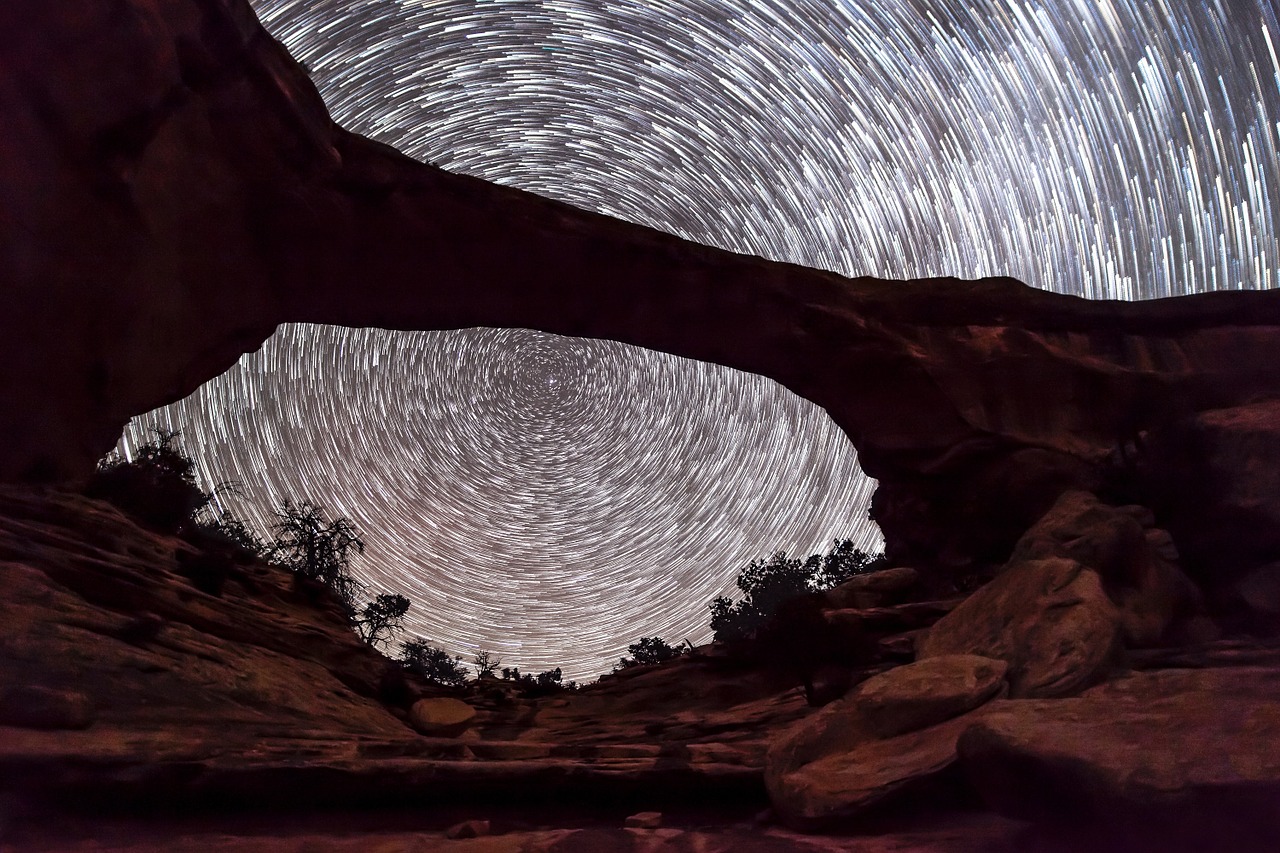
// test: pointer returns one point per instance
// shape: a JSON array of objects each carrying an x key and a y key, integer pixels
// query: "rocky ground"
[{"x": 1082, "y": 697}]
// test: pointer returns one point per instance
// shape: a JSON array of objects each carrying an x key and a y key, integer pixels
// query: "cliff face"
[{"x": 172, "y": 188}]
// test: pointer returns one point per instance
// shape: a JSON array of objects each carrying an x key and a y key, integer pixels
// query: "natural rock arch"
[{"x": 172, "y": 188}]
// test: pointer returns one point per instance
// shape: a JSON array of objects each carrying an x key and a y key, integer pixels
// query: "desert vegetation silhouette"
[
  {"x": 157, "y": 486},
  {"x": 776, "y": 620}
]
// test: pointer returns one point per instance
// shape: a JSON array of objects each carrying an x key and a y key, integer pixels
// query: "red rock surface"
[
  {"x": 962, "y": 834},
  {"x": 121, "y": 676},
  {"x": 127, "y": 688},
  {"x": 1172, "y": 759},
  {"x": 172, "y": 188}
]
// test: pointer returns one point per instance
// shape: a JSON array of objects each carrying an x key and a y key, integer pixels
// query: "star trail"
[{"x": 553, "y": 499}]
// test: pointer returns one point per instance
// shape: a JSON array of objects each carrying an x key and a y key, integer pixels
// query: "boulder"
[
  {"x": 1050, "y": 620},
  {"x": 873, "y": 589},
  {"x": 1253, "y": 601},
  {"x": 892, "y": 735},
  {"x": 869, "y": 777},
  {"x": 1080, "y": 527},
  {"x": 921, "y": 694},
  {"x": 1137, "y": 562},
  {"x": 1182, "y": 759},
  {"x": 441, "y": 716}
]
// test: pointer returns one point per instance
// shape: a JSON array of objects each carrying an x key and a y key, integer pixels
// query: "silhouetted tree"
[
  {"x": 486, "y": 664},
  {"x": 157, "y": 486},
  {"x": 316, "y": 549},
  {"x": 843, "y": 562},
  {"x": 542, "y": 684},
  {"x": 382, "y": 618},
  {"x": 434, "y": 664},
  {"x": 766, "y": 584},
  {"x": 648, "y": 650}
]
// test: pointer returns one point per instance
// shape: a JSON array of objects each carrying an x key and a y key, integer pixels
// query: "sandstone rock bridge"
[{"x": 172, "y": 188}]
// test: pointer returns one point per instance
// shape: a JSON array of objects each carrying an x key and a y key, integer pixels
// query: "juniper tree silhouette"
[
  {"x": 434, "y": 664},
  {"x": 157, "y": 486},
  {"x": 382, "y": 618},
  {"x": 650, "y": 650},
  {"x": 766, "y": 584},
  {"x": 317, "y": 550}
]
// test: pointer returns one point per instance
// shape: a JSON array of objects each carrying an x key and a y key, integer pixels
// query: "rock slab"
[
  {"x": 873, "y": 589},
  {"x": 894, "y": 734},
  {"x": 441, "y": 716},
  {"x": 1169, "y": 758},
  {"x": 1050, "y": 620}
]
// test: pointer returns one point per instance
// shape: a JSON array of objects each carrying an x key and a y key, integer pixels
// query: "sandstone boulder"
[
  {"x": 1137, "y": 562},
  {"x": 1080, "y": 527},
  {"x": 1183, "y": 759},
  {"x": 921, "y": 694},
  {"x": 468, "y": 829},
  {"x": 1051, "y": 620},
  {"x": 892, "y": 735},
  {"x": 1254, "y": 600},
  {"x": 895, "y": 619},
  {"x": 874, "y": 589},
  {"x": 441, "y": 716}
]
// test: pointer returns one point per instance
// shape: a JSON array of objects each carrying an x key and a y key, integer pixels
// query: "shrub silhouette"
[
  {"x": 230, "y": 532},
  {"x": 766, "y": 584},
  {"x": 157, "y": 487},
  {"x": 435, "y": 665},
  {"x": 317, "y": 550},
  {"x": 225, "y": 545},
  {"x": 843, "y": 562},
  {"x": 650, "y": 650}
]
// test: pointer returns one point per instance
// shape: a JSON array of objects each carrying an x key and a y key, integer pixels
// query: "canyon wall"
[{"x": 172, "y": 188}]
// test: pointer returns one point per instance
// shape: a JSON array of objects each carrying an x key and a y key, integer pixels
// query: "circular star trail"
[
  {"x": 548, "y": 499},
  {"x": 554, "y": 499}
]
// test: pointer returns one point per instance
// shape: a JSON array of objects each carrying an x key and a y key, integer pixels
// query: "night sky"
[{"x": 553, "y": 499}]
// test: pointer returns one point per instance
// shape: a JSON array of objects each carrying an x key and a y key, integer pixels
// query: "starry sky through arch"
[{"x": 554, "y": 499}]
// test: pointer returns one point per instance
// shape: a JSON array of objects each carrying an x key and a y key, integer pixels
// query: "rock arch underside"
[{"x": 172, "y": 188}]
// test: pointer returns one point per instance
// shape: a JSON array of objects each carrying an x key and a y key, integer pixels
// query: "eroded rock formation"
[
  {"x": 125, "y": 683},
  {"x": 172, "y": 188}
]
